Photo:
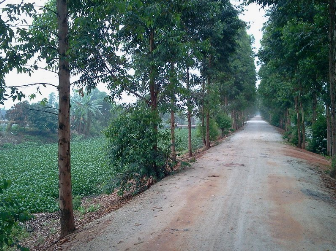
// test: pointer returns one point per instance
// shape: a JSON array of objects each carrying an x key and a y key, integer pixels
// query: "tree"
[
  {"x": 302, "y": 8},
  {"x": 220, "y": 30},
  {"x": 293, "y": 50},
  {"x": 131, "y": 152},
  {"x": 84, "y": 109},
  {"x": 42, "y": 117},
  {"x": 18, "y": 114},
  {"x": 64, "y": 165}
]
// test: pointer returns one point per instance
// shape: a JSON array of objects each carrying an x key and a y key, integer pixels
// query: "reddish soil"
[{"x": 251, "y": 192}]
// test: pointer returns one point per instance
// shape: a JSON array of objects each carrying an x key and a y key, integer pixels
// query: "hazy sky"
[{"x": 253, "y": 15}]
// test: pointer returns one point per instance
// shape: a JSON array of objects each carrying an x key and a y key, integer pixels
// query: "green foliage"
[
  {"x": 10, "y": 215},
  {"x": 292, "y": 135},
  {"x": 42, "y": 118},
  {"x": 318, "y": 139},
  {"x": 294, "y": 69},
  {"x": 34, "y": 169},
  {"x": 11, "y": 20},
  {"x": 224, "y": 122},
  {"x": 333, "y": 168},
  {"x": 182, "y": 140},
  {"x": 214, "y": 130},
  {"x": 136, "y": 151}
]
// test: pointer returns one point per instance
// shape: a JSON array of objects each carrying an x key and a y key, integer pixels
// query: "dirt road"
[{"x": 251, "y": 192}]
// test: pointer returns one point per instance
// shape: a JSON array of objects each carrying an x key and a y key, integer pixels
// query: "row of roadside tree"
[{"x": 192, "y": 56}]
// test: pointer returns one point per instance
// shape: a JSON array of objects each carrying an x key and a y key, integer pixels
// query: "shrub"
[
  {"x": 10, "y": 216},
  {"x": 214, "y": 131},
  {"x": 137, "y": 152},
  {"x": 224, "y": 123},
  {"x": 318, "y": 139},
  {"x": 333, "y": 167}
]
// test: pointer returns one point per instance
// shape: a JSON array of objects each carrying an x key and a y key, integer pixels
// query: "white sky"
[{"x": 253, "y": 15}]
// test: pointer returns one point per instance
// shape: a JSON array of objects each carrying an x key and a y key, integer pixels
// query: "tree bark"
[
  {"x": 172, "y": 132},
  {"x": 207, "y": 146},
  {"x": 328, "y": 130},
  {"x": 189, "y": 115},
  {"x": 298, "y": 121},
  {"x": 154, "y": 102},
  {"x": 65, "y": 191},
  {"x": 203, "y": 114},
  {"x": 332, "y": 72},
  {"x": 314, "y": 118},
  {"x": 207, "y": 130},
  {"x": 303, "y": 129}
]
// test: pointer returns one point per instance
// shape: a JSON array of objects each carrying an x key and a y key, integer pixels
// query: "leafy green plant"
[
  {"x": 317, "y": 141},
  {"x": 224, "y": 123},
  {"x": 10, "y": 215},
  {"x": 136, "y": 151},
  {"x": 181, "y": 135},
  {"x": 214, "y": 131},
  {"x": 90, "y": 209},
  {"x": 34, "y": 169}
]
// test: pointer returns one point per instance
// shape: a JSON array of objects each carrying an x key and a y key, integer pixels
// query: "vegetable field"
[{"x": 32, "y": 169}]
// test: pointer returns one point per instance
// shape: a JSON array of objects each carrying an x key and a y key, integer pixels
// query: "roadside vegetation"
[
  {"x": 297, "y": 88},
  {"x": 180, "y": 60}
]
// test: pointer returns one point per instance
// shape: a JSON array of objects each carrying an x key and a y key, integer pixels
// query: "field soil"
[{"x": 250, "y": 192}]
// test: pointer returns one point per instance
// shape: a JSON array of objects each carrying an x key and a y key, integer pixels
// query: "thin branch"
[
  {"x": 125, "y": 87},
  {"x": 27, "y": 85}
]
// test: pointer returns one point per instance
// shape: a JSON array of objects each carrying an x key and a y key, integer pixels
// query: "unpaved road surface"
[{"x": 251, "y": 192}]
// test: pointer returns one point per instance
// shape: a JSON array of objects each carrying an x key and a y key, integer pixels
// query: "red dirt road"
[{"x": 251, "y": 192}]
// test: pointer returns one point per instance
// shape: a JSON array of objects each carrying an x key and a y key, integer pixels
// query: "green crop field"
[{"x": 32, "y": 169}]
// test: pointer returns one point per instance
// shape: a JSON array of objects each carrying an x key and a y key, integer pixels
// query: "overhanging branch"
[{"x": 28, "y": 85}]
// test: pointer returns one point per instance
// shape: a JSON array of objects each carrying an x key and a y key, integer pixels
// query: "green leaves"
[
  {"x": 10, "y": 215},
  {"x": 136, "y": 151},
  {"x": 34, "y": 174}
]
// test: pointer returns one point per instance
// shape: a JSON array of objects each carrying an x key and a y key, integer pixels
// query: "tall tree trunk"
[
  {"x": 328, "y": 130},
  {"x": 233, "y": 117},
  {"x": 203, "y": 114},
  {"x": 298, "y": 121},
  {"x": 314, "y": 118},
  {"x": 172, "y": 132},
  {"x": 288, "y": 121},
  {"x": 172, "y": 112},
  {"x": 65, "y": 191},
  {"x": 303, "y": 128},
  {"x": 332, "y": 72},
  {"x": 189, "y": 114},
  {"x": 207, "y": 131},
  {"x": 207, "y": 146},
  {"x": 154, "y": 103}
]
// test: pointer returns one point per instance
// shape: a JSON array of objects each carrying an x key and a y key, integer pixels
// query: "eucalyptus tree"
[
  {"x": 13, "y": 57},
  {"x": 293, "y": 47},
  {"x": 327, "y": 7},
  {"x": 238, "y": 93},
  {"x": 219, "y": 28}
]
